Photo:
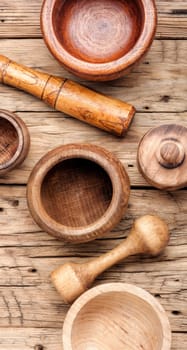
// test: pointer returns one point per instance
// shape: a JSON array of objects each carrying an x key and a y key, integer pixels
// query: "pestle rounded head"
[
  {"x": 67, "y": 280},
  {"x": 152, "y": 233}
]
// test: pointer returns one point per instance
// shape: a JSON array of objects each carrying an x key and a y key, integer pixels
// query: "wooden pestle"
[
  {"x": 149, "y": 235},
  {"x": 104, "y": 112}
]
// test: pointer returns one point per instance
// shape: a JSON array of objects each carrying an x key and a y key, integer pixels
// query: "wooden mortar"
[
  {"x": 66, "y": 96},
  {"x": 14, "y": 141},
  {"x": 162, "y": 157},
  {"x": 78, "y": 192},
  {"x": 116, "y": 316},
  {"x": 149, "y": 235},
  {"x": 98, "y": 39}
]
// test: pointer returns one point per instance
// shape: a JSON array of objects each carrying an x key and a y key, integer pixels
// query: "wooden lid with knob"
[{"x": 162, "y": 157}]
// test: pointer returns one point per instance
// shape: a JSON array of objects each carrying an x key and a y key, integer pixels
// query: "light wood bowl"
[
  {"x": 14, "y": 141},
  {"x": 116, "y": 316},
  {"x": 98, "y": 39},
  {"x": 78, "y": 192}
]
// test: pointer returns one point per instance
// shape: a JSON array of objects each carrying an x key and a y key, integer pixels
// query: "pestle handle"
[
  {"x": 148, "y": 235},
  {"x": 104, "y": 112},
  {"x": 130, "y": 246}
]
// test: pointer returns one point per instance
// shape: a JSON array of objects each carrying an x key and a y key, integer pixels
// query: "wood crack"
[
  {"x": 19, "y": 308},
  {"x": 8, "y": 309}
]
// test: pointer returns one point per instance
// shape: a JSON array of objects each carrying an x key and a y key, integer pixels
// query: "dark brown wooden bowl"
[
  {"x": 78, "y": 192},
  {"x": 14, "y": 141},
  {"x": 98, "y": 39}
]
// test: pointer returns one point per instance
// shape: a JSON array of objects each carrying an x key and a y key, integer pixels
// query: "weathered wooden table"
[{"x": 31, "y": 312}]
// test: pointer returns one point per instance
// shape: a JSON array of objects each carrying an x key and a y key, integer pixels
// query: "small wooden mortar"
[
  {"x": 162, "y": 157},
  {"x": 66, "y": 96},
  {"x": 78, "y": 192},
  {"x": 149, "y": 235},
  {"x": 116, "y": 316},
  {"x": 98, "y": 39},
  {"x": 14, "y": 141}
]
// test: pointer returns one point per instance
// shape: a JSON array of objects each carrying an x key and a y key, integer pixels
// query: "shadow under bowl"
[
  {"x": 78, "y": 192},
  {"x": 116, "y": 316},
  {"x": 98, "y": 39}
]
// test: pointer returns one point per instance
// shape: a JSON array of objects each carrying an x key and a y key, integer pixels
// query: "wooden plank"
[
  {"x": 158, "y": 89},
  {"x": 27, "y": 256},
  {"x": 158, "y": 84},
  {"x": 54, "y": 129},
  {"x": 22, "y": 231},
  {"x": 34, "y": 338},
  {"x": 50, "y": 339},
  {"x": 22, "y": 18},
  {"x": 142, "y": 88},
  {"x": 42, "y": 307},
  {"x": 172, "y": 19}
]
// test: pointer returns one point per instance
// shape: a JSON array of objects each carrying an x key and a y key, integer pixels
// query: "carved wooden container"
[
  {"x": 14, "y": 141},
  {"x": 98, "y": 39},
  {"x": 116, "y": 316},
  {"x": 78, "y": 192}
]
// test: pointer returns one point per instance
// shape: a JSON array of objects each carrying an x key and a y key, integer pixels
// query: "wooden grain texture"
[
  {"x": 64, "y": 95},
  {"x": 134, "y": 312},
  {"x": 14, "y": 141},
  {"x": 21, "y": 18},
  {"x": 158, "y": 87},
  {"x": 157, "y": 84},
  {"x": 55, "y": 130},
  {"x": 49, "y": 339},
  {"x": 28, "y": 257},
  {"x": 78, "y": 192},
  {"x": 31, "y": 312},
  {"x": 162, "y": 157},
  {"x": 149, "y": 235},
  {"x": 97, "y": 40}
]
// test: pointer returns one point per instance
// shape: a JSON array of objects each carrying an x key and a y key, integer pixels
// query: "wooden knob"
[
  {"x": 149, "y": 235},
  {"x": 171, "y": 154},
  {"x": 162, "y": 157}
]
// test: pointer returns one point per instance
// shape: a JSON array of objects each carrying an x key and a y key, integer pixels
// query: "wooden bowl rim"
[
  {"x": 115, "y": 287},
  {"x": 108, "y": 69},
  {"x": 17, "y": 124},
  {"x": 84, "y": 151}
]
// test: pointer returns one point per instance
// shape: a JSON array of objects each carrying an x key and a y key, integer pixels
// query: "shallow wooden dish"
[
  {"x": 14, "y": 141},
  {"x": 116, "y": 316},
  {"x": 98, "y": 39},
  {"x": 78, "y": 192}
]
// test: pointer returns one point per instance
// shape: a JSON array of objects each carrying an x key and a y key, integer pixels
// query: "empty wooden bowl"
[
  {"x": 98, "y": 39},
  {"x": 78, "y": 192},
  {"x": 14, "y": 141},
  {"x": 116, "y": 316}
]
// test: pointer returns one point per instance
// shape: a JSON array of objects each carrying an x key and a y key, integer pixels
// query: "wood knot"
[
  {"x": 171, "y": 153},
  {"x": 38, "y": 347}
]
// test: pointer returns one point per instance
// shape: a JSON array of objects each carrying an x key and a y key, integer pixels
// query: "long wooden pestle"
[
  {"x": 149, "y": 235},
  {"x": 104, "y": 112}
]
